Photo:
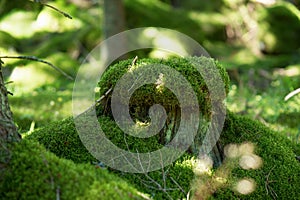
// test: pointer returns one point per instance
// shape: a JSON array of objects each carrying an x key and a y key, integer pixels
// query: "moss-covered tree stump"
[{"x": 166, "y": 88}]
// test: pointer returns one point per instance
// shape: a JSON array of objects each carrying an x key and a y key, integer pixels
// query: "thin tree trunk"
[
  {"x": 8, "y": 130},
  {"x": 114, "y": 23},
  {"x": 175, "y": 3},
  {"x": 114, "y": 17}
]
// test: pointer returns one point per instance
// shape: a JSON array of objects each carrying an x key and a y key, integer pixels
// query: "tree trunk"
[
  {"x": 114, "y": 23},
  {"x": 8, "y": 130},
  {"x": 175, "y": 3},
  {"x": 114, "y": 17}
]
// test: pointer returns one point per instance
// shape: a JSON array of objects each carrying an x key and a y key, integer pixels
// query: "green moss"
[
  {"x": 61, "y": 138},
  {"x": 171, "y": 182},
  {"x": 276, "y": 152},
  {"x": 151, "y": 94},
  {"x": 35, "y": 173},
  {"x": 280, "y": 167},
  {"x": 279, "y": 162},
  {"x": 62, "y": 134}
]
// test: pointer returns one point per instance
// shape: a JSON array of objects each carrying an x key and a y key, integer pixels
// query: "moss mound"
[
  {"x": 279, "y": 167},
  {"x": 176, "y": 85},
  {"x": 35, "y": 173},
  {"x": 62, "y": 139},
  {"x": 63, "y": 134},
  {"x": 278, "y": 176}
]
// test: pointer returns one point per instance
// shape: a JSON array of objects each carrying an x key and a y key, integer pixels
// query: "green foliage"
[
  {"x": 41, "y": 106},
  {"x": 197, "y": 26},
  {"x": 239, "y": 57},
  {"x": 34, "y": 173},
  {"x": 6, "y": 6},
  {"x": 40, "y": 93},
  {"x": 214, "y": 5},
  {"x": 263, "y": 99},
  {"x": 171, "y": 182},
  {"x": 6, "y": 40},
  {"x": 64, "y": 134},
  {"x": 277, "y": 35}
]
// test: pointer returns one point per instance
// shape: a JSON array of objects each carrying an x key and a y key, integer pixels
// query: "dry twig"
[
  {"x": 33, "y": 58},
  {"x": 54, "y": 8}
]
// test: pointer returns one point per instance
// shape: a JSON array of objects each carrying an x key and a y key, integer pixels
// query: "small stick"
[
  {"x": 52, "y": 7},
  {"x": 61, "y": 12},
  {"x": 291, "y": 94},
  {"x": 103, "y": 96},
  {"x": 134, "y": 61}
]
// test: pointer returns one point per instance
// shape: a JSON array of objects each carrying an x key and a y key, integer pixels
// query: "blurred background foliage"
[{"x": 256, "y": 40}]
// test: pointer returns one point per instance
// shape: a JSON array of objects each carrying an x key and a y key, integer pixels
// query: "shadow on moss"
[{"x": 35, "y": 173}]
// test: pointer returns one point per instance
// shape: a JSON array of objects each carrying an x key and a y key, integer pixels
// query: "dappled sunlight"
[
  {"x": 208, "y": 181},
  {"x": 274, "y": 103},
  {"x": 203, "y": 166},
  {"x": 160, "y": 54},
  {"x": 150, "y": 32},
  {"x": 19, "y": 24},
  {"x": 250, "y": 162},
  {"x": 40, "y": 108},
  {"x": 290, "y": 71},
  {"x": 26, "y": 79},
  {"x": 169, "y": 42},
  {"x": 165, "y": 40},
  {"x": 245, "y": 186},
  {"x": 245, "y": 153},
  {"x": 246, "y": 148},
  {"x": 231, "y": 151}
]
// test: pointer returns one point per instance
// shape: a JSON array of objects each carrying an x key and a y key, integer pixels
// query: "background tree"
[
  {"x": 114, "y": 17},
  {"x": 114, "y": 23}
]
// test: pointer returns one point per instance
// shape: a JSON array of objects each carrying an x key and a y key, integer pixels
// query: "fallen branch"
[
  {"x": 33, "y": 58},
  {"x": 291, "y": 94}
]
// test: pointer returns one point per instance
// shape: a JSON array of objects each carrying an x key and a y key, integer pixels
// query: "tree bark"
[
  {"x": 114, "y": 23},
  {"x": 114, "y": 17},
  {"x": 8, "y": 130},
  {"x": 175, "y": 3}
]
